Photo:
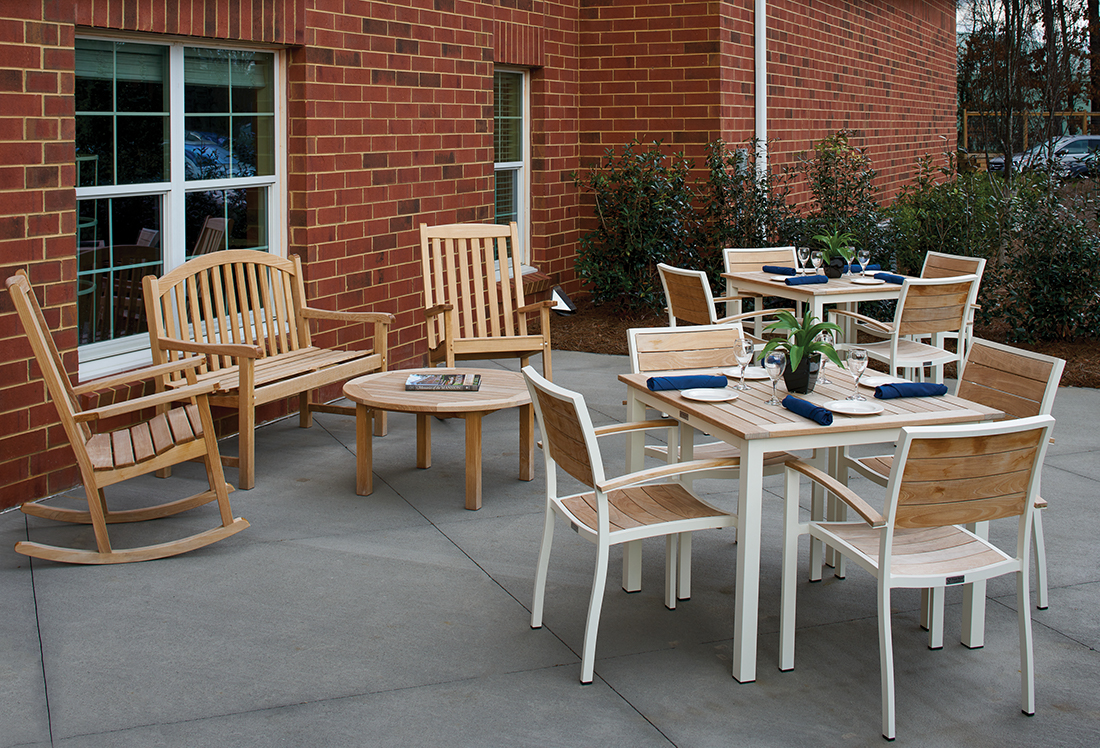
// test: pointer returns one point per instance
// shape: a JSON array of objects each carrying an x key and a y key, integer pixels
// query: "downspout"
[{"x": 760, "y": 36}]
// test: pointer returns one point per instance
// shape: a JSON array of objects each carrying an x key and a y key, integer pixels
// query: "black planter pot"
[
  {"x": 835, "y": 268},
  {"x": 802, "y": 380}
]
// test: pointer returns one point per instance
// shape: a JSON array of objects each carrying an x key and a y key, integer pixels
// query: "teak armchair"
[
  {"x": 645, "y": 504},
  {"x": 473, "y": 296},
  {"x": 688, "y": 297},
  {"x": 183, "y": 432}
]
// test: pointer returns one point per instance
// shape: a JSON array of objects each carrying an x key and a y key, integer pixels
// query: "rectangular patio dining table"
[{"x": 755, "y": 427}]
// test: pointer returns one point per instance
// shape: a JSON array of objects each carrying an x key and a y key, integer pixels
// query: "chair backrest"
[
  {"x": 749, "y": 259},
  {"x": 49, "y": 359},
  {"x": 688, "y": 297},
  {"x": 968, "y": 473},
  {"x": 568, "y": 436},
  {"x": 943, "y": 265},
  {"x": 147, "y": 238},
  {"x": 236, "y": 296},
  {"x": 212, "y": 236},
  {"x": 1019, "y": 382},
  {"x": 669, "y": 348},
  {"x": 476, "y": 268},
  {"x": 934, "y": 305}
]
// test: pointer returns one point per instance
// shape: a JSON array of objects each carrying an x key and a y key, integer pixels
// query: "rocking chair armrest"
[
  {"x": 148, "y": 401},
  {"x": 235, "y": 350},
  {"x": 869, "y": 514},
  {"x": 138, "y": 375},
  {"x": 435, "y": 311},
  {"x": 869, "y": 321},
  {"x": 667, "y": 471},
  {"x": 626, "y": 428},
  {"x": 538, "y": 306},
  {"x": 384, "y": 318}
]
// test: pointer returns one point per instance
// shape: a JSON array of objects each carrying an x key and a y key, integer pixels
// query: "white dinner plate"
[
  {"x": 782, "y": 278},
  {"x": 874, "y": 380},
  {"x": 860, "y": 280},
  {"x": 854, "y": 407},
  {"x": 709, "y": 394},
  {"x": 751, "y": 372}
]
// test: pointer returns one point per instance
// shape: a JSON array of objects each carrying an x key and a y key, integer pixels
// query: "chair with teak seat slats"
[
  {"x": 1022, "y": 384},
  {"x": 751, "y": 259},
  {"x": 645, "y": 504},
  {"x": 183, "y": 432},
  {"x": 688, "y": 297},
  {"x": 941, "y": 478},
  {"x": 474, "y": 300}
]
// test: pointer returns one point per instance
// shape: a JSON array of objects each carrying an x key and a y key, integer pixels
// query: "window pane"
[
  {"x": 226, "y": 219},
  {"x": 507, "y": 196},
  {"x": 508, "y": 114},
  {"x": 118, "y": 244},
  {"x": 142, "y": 149}
]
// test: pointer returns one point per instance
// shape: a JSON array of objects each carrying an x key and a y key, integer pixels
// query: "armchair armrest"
[
  {"x": 138, "y": 375},
  {"x": 148, "y": 401},
  {"x": 236, "y": 350},
  {"x": 384, "y": 318},
  {"x": 863, "y": 318},
  {"x": 435, "y": 311},
  {"x": 869, "y": 514},
  {"x": 538, "y": 306},
  {"x": 626, "y": 428},
  {"x": 666, "y": 471},
  {"x": 750, "y": 315}
]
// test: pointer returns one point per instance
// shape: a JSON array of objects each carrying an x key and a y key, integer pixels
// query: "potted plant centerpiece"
[
  {"x": 838, "y": 252},
  {"x": 803, "y": 349}
]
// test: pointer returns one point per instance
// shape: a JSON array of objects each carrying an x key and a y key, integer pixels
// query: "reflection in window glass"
[{"x": 226, "y": 219}]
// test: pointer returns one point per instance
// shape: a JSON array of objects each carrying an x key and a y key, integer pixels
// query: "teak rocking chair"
[
  {"x": 183, "y": 432},
  {"x": 473, "y": 296}
]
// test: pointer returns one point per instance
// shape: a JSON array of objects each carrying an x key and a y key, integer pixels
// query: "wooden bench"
[{"x": 246, "y": 312}]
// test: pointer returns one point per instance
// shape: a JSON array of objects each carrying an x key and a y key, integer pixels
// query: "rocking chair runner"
[{"x": 184, "y": 432}]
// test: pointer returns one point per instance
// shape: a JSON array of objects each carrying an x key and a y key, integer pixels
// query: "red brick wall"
[{"x": 390, "y": 119}]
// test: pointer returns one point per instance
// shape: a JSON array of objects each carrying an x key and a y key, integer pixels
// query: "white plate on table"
[
  {"x": 783, "y": 278},
  {"x": 854, "y": 407},
  {"x": 860, "y": 280},
  {"x": 874, "y": 380},
  {"x": 709, "y": 394},
  {"x": 751, "y": 372}
]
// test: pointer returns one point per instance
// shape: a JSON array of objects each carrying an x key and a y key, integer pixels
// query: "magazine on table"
[{"x": 444, "y": 382}]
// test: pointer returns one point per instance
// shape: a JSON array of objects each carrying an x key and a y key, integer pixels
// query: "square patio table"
[{"x": 755, "y": 427}]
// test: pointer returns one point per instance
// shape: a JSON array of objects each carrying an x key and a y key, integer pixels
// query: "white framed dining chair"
[
  {"x": 1022, "y": 384},
  {"x": 929, "y": 308},
  {"x": 688, "y": 297},
  {"x": 750, "y": 259},
  {"x": 941, "y": 478},
  {"x": 609, "y": 511}
]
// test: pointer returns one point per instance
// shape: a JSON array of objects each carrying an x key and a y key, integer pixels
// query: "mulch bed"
[{"x": 602, "y": 329}]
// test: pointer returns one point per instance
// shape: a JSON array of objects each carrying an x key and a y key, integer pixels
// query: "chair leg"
[
  {"x": 672, "y": 556},
  {"x": 683, "y": 568},
  {"x": 1027, "y": 658},
  {"x": 595, "y": 604},
  {"x": 973, "y": 609},
  {"x": 632, "y": 566},
  {"x": 935, "y": 597},
  {"x": 1039, "y": 547},
  {"x": 305, "y": 413},
  {"x": 886, "y": 659},
  {"x": 541, "y": 569}
]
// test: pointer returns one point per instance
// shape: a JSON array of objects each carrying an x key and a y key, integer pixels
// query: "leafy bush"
[{"x": 644, "y": 207}]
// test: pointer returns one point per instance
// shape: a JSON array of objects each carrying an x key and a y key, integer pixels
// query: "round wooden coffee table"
[{"x": 385, "y": 391}]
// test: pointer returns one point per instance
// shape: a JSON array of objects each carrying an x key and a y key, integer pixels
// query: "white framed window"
[
  {"x": 512, "y": 150},
  {"x": 177, "y": 153}
]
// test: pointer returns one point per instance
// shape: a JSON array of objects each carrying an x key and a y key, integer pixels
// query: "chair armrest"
[
  {"x": 138, "y": 375},
  {"x": 719, "y": 299},
  {"x": 750, "y": 315},
  {"x": 384, "y": 318},
  {"x": 626, "y": 428},
  {"x": 434, "y": 311},
  {"x": 236, "y": 350},
  {"x": 869, "y": 514},
  {"x": 666, "y": 471},
  {"x": 869, "y": 321},
  {"x": 536, "y": 307},
  {"x": 149, "y": 401}
]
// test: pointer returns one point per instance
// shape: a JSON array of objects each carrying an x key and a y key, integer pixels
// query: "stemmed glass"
[
  {"x": 864, "y": 256},
  {"x": 857, "y": 363},
  {"x": 825, "y": 337},
  {"x": 816, "y": 259},
  {"x": 774, "y": 363},
  {"x": 803, "y": 259},
  {"x": 742, "y": 350}
]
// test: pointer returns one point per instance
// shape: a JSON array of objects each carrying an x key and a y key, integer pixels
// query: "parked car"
[{"x": 1068, "y": 155}]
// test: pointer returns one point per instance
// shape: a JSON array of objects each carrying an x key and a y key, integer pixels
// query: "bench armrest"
[{"x": 383, "y": 318}]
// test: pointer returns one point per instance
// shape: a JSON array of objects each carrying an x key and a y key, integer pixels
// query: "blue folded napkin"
[
  {"x": 909, "y": 389},
  {"x": 686, "y": 382},
  {"x": 779, "y": 270},
  {"x": 855, "y": 267},
  {"x": 802, "y": 279},
  {"x": 808, "y": 409},
  {"x": 890, "y": 277}
]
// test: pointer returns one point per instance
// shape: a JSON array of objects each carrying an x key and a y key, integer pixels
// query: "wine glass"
[
  {"x": 825, "y": 337},
  {"x": 816, "y": 259},
  {"x": 803, "y": 259},
  {"x": 857, "y": 363},
  {"x": 774, "y": 363},
  {"x": 864, "y": 256},
  {"x": 742, "y": 350}
]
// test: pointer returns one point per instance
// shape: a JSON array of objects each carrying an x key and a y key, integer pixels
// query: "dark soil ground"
[{"x": 602, "y": 329}]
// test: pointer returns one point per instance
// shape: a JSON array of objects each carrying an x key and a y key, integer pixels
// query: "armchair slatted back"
[
  {"x": 932, "y": 305},
  {"x": 751, "y": 259},
  {"x": 670, "y": 348},
  {"x": 1019, "y": 382}
]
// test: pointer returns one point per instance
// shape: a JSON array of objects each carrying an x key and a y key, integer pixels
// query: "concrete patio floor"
[{"x": 401, "y": 619}]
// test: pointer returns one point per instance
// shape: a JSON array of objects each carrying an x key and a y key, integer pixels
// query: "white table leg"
[{"x": 750, "y": 498}]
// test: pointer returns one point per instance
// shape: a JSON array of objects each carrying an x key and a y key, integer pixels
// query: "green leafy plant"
[
  {"x": 801, "y": 338},
  {"x": 837, "y": 244}
]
